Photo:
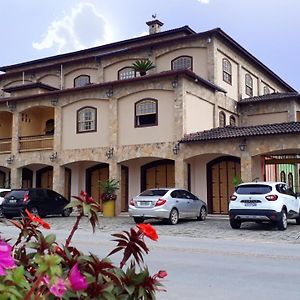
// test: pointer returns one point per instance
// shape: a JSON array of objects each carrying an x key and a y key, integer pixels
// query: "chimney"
[{"x": 154, "y": 26}]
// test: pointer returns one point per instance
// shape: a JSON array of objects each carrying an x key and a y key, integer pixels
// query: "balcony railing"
[
  {"x": 36, "y": 143},
  {"x": 5, "y": 145}
]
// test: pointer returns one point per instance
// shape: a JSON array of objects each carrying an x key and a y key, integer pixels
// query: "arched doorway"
[
  {"x": 220, "y": 175},
  {"x": 3, "y": 182},
  {"x": 158, "y": 174}
]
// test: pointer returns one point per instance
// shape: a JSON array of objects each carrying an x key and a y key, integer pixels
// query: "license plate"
[
  {"x": 250, "y": 204},
  {"x": 145, "y": 203},
  {"x": 13, "y": 201}
]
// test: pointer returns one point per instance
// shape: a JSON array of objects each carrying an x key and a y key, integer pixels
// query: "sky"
[{"x": 33, "y": 29}]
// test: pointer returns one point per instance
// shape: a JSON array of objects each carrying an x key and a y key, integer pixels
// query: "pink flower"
[
  {"x": 58, "y": 289},
  {"x": 6, "y": 260},
  {"x": 162, "y": 274},
  {"x": 78, "y": 282}
]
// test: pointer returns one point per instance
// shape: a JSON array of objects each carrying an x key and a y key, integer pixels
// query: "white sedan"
[{"x": 169, "y": 204}]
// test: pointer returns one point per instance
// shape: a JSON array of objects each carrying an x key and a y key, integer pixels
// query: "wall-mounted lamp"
[
  {"x": 174, "y": 83},
  {"x": 54, "y": 101},
  {"x": 10, "y": 159},
  {"x": 109, "y": 153},
  {"x": 109, "y": 93},
  {"x": 176, "y": 148},
  {"x": 53, "y": 156},
  {"x": 243, "y": 145},
  {"x": 11, "y": 105}
]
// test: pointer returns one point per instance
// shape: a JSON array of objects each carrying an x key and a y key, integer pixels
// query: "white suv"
[{"x": 263, "y": 201}]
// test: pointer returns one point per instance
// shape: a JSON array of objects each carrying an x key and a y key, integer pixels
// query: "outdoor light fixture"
[
  {"x": 243, "y": 145},
  {"x": 174, "y": 83},
  {"x": 11, "y": 105},
  {"x": 10, "y": 159},
  {"x": 54, "y": 101},
  {"x": 53, "y": 156},
  {"x": 176, "y": 148},
  {"x": 109, "y": 93},
  {"x": 109, "y": 153}
]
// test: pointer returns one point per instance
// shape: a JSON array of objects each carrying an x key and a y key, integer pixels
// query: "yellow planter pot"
[{"x": 109, "y": 208}]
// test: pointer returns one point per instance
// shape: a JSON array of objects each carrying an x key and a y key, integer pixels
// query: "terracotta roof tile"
[
  {"x": 269, "y": 97},
  {"x": 228, "y": 132}
]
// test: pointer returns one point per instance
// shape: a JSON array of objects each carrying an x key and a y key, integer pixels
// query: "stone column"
[
  {"x": 15, "y": 178},
  {"x": 246, "y": 167},
  {"x": 181, "y": 173},
  {"x": 58, "y": 178},
  {"x": 115, "y": 173},
  {"x": 15, "y": 173}
]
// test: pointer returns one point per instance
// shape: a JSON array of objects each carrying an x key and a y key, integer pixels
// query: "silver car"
[{"x": 169, "y": 204}]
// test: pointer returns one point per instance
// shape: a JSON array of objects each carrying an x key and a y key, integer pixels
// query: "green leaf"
[{"x": 50, "y": 239}]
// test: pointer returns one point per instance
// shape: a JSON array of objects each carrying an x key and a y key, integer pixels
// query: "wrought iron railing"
[{"x": 35, "y": 143}]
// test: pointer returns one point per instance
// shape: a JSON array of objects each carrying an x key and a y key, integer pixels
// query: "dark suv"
[{"x": 38, "y": 201}]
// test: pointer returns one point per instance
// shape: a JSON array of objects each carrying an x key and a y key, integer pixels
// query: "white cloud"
[
  {"x": 204, "y": 1},
  {"x": 84, "y": 27}
]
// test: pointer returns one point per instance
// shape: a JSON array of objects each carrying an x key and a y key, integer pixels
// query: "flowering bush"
[{"x": 36, "y": 267}]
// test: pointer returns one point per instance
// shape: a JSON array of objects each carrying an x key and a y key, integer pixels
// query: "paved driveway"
[{"x": 214, "y": 227}]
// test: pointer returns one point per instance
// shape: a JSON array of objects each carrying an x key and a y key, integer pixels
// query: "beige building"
[{"x": 207, "y": 113}]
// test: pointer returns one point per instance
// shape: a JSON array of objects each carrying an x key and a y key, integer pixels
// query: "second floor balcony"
[{"x": 35, "y": 143}]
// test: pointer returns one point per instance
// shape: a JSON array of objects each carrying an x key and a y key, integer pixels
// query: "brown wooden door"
[
  {"x": 124, "y": 189},
  {"x": 97, "y": 176},
  {"x": 158, "y": 174},
  {"x": 67, "y": 188},
  {"x": 44, "y": 178},
  {"x": 220, "y": 183}
]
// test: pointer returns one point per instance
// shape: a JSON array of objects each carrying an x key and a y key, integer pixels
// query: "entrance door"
[
  {"x": 158, "y": 174},
  {"x": 94, "y": 176},
  {"x": 124, "y": 188},
  {"x": 2, "y": 179},
  {"x": 27, "y": 176},
  {"x": 44, "y": 178},
  {"x": 67, "y": 188},
  {"x": 220, "y": 176}
]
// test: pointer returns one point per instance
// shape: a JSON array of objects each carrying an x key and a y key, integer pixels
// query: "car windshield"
[
  {"x": 16, "y": 194},
  {"x": 253, "y": 189},
  {"x": 154, "y": 193}
]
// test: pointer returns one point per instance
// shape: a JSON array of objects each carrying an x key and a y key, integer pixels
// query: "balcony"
[
  {"x": 35, "y": 143},
  {"x": 5, "y": 145}
]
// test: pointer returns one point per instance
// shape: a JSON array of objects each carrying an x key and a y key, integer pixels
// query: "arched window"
[
  {"x": 227, "y": 72},
  {"x": 266, "y": 90},
  {"x": 232, "y": 120},
  {"x": 126, "y": 73},
  {"x": 86, "y": 119},
  {"x": 182, "y": 63},
  {"x": 282, "y": 176},
  {"x": 249, "y": 85},
  {"x": 146, "y": 113},
  {"x": 81, "y": 80},
  {"x": 290, "y": 180},
  {"x": 222, "y": 119}
]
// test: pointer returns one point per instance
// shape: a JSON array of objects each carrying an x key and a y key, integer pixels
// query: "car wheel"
[
  {"x": 66, "y": 212},
  {"x": 174, "y": 216},
  {"x": 282, "y": 221},
  {"x": 235, "y": 224},
  {"x": 138, "y": 220},
  {"x": 34, "y": 211},
  {"x": 202, "y": 214}
]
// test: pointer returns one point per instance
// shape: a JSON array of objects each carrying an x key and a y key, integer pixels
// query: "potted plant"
[
  {"x": 108, "y": 196},
  {"x": 142, "y": 66}
]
